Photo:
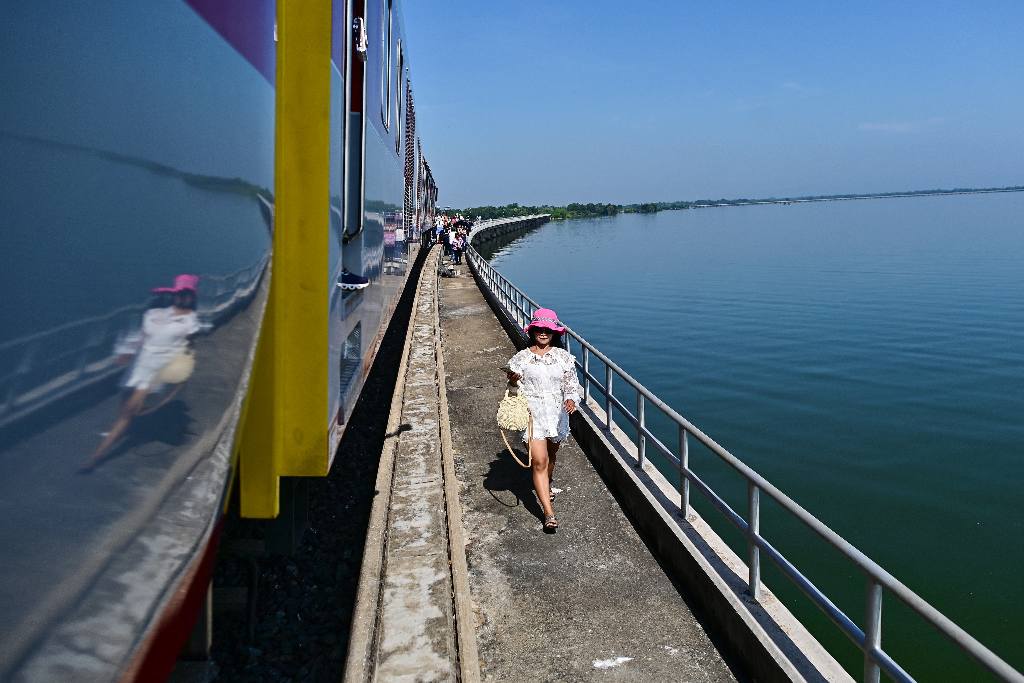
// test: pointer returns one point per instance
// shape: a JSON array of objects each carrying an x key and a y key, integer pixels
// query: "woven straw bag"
[
  {"x": 514, "y": 415},
  {"x": 178, "y": 369}
]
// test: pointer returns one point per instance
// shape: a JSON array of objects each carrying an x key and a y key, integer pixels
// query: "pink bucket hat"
[
  {"x": 546, "y": 318},
  {"x": 181, "y": 282}
]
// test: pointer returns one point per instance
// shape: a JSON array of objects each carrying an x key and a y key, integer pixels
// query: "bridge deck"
[{"x": 587, "y": 603}]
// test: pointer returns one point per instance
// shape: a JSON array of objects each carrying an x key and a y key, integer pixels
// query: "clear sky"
[{"x": 555, "y": 101}]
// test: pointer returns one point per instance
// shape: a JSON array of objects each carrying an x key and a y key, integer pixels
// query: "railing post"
[
  {"x": 17, "y": 377},
  {"x": 684, "y": 464},
  {"x": 94, "y": 339},
  {"x": 641, "y": 440},
  {"x": 609, "y": 422},
  {"x": 872, "y": 630},
  {"x": 753, "y": 552},
  {"x": 586, "y": 374}
]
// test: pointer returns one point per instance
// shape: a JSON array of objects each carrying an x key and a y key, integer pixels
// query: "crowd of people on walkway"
[{"x": 453, "y": 234}]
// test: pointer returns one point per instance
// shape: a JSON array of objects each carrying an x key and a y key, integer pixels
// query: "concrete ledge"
[
  {"x": 413, "y": 617},
  {"x": 505, "y": 228},
  {"x": 770, "y": 642},
  {"x": 465, "y": 640}
]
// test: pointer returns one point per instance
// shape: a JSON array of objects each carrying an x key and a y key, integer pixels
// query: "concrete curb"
[
  {"x": 469, "y": 659},
  {"x": 358, "y": 664},
  {"x": 362, "y": 663}
]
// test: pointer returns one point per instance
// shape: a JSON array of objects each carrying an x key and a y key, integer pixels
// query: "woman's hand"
[
  {"x": 513, "y": 378},
  {"x": 570, "y": 406}
]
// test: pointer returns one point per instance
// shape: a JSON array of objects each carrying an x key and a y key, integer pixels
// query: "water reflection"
[
  {"x": 163, "y": 356},
  {"x": 136, "y": 145},
  {"x": 396, "y": 249}
]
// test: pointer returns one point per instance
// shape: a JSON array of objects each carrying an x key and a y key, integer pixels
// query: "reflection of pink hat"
[
  {"x": 546, "y": 318},
  {"x": 186, "y": 282},
  {"x": 181, "y": 282}
]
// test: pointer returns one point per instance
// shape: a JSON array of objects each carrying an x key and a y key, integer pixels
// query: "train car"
[{"x": 210, "y": 209}]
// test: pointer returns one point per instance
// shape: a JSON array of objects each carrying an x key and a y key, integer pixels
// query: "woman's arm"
[
  {"x": 570, "y": 385},
  {"x": 514, "y": 369}
]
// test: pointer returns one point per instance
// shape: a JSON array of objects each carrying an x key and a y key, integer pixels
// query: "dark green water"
[{"x": 866, "y": 357}]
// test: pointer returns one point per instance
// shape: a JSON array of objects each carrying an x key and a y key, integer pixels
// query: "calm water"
[
  {"x": 866, "y": 357},
  {"x": 123, "y": 228}
]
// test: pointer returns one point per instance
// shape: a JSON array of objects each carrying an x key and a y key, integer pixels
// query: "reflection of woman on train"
[{"x": 165, "y": 338}]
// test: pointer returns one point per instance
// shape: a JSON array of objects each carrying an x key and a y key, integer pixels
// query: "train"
[{"x": 210, "y": 208}]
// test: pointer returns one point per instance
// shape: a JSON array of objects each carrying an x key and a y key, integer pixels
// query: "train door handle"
[{"x": 359, "y": 37}]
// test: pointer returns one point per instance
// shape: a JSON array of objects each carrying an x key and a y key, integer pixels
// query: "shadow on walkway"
[{"x": 505, "y": 476}]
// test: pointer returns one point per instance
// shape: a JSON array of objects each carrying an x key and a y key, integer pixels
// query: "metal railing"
[
  {"x": 45, "y": 366},
  {"x": 519, "y": 308}
]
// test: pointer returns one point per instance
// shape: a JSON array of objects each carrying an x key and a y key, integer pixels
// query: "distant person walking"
[
  {"x": 446, "y": 241},
  {"x": 547, "y": 373},
  {"x": 458, "y": 246}
]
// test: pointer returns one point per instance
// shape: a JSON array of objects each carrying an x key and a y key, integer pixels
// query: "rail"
[
  {"x": 42, "y": 367},
  {"x": 519, "y": 308}
]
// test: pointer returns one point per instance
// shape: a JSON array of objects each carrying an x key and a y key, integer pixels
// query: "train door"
[
  {"x": 350, "y": 359},
  {"x": 338, "y": 335}
]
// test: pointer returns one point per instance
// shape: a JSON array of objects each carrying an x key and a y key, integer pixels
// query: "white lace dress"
[
  {"x": 546, "y": 382},
  {"x": 164, "y": 335}
]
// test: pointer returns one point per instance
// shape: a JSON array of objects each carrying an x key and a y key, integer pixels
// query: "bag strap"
[{"x": 529, "y": 454}]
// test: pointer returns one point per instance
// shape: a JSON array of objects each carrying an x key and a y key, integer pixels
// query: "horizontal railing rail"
[{"x": 518, "y": 307}]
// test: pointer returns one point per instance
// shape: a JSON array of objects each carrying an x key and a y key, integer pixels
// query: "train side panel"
[
  {"x": 343, "y": 209},
  {"x": 381, "y": 245},
  {"x": 136, "y": 147}
]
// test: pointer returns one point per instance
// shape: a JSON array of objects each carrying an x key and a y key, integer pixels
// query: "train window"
[
  {"x": 385, "y": 65},
  {"x": 401, "y": 99}
]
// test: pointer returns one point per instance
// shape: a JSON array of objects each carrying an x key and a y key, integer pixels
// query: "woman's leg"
[
  {"x": 541, "y": 483},
  {"x": 129, "y": 410},
  {"x": 552, "y": 453}
]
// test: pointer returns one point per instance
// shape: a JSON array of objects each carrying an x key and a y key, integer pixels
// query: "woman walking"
[
  {"x": 458, "y": 246},
  {"x": 165, "y": 335},
  {"x": 548, "y": 376}
]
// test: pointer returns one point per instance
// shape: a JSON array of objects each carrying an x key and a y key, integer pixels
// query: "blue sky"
[{"x": 554, "y": 101}]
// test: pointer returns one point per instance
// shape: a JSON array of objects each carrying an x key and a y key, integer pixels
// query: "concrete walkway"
[{"x": 587, "y": 603}]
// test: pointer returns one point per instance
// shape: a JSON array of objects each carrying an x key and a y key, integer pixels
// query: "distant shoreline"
[
  {"x": 703, "y": 204},
  {"x": 598, "y": 210}
]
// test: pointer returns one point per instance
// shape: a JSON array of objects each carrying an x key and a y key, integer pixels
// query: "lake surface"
[{"x": 867, "y": 357}]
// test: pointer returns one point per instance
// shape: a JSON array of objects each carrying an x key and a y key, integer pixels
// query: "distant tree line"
[
  {"x": 557, "y": 212},
  {"x": 701, "y": 203},
  {"x": 591, "y": 210},
  {"x": 574, "y": 210}
]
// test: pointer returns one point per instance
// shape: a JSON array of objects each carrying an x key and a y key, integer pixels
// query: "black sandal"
[{"x": 550, "y": 523}]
